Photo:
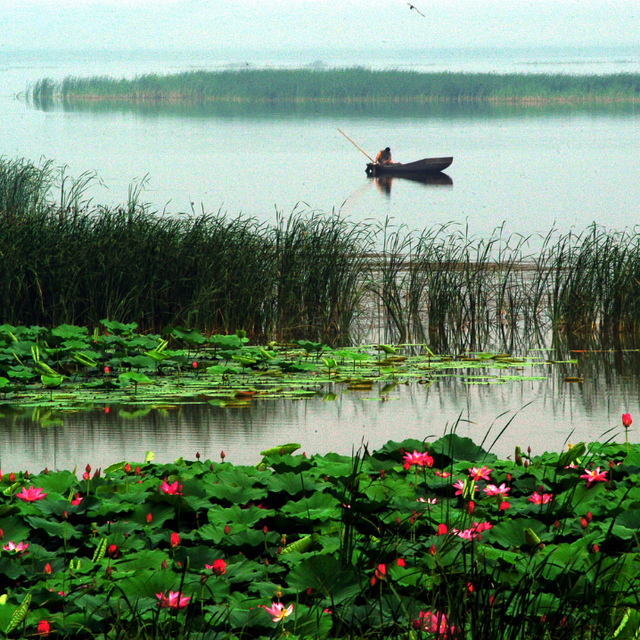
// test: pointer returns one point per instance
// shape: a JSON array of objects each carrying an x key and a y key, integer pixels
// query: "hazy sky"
[{"x": 234, "y": 25}]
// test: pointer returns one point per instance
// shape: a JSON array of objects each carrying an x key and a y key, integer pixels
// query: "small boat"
[{"x": 424, "y": 166}]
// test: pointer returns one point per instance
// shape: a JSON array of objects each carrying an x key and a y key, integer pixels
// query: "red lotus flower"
[
  {"x": 175, "y": 540},
  {"x": 175, "y": 600},
  {"x": 442, "y": 529},
  {"x": 626, "y": 420},
  {"x": 381, "y": 572},
  {"x": 435, "y": 623},
  {"x": 594, "y": 476},
  {"x": 219, "y": 567},
  {"x": 30, "y": 494},
  {"x": 47, "y": 569},
  {"x": 149, "y": 517},
  {"x": 504, "y": 505},
  {"x": 113, "y": 551},
  {"x": 278, "y": 612},
  {"x": 171, "y": 489},
  {"x": 400, "y": 562},
  {"x": 419, "y": 459},
  {"x": 76, "y": 499},
  {"x": 43, "y": 628}
]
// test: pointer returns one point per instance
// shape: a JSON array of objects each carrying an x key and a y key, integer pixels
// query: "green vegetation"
[
  {"x": 47, "y": 372},
  {"x": 353, "y": 85},
  {"x": 64, "y": 260},
  {"x": 415, "y": 540}
]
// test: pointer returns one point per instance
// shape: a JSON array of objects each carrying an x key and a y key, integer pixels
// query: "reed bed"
[
  {"x": 310, "y": 275},
  {"x": 351, "y": 85}
]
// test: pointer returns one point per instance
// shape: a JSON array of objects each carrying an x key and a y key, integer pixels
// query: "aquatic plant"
[
  {"x": 329, "y": 546},
  {"x": 346, "y": 86}
]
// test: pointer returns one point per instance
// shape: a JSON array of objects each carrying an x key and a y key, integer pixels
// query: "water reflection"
[
  {"x": 544, "y": 414},
  {"x": 438, "y": 179}
]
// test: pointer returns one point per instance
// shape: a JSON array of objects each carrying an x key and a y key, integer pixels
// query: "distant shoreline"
[{"x": 342, "y": 87}]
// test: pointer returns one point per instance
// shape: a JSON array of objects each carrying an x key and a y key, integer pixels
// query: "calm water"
[{"x": 529, "y": 169}]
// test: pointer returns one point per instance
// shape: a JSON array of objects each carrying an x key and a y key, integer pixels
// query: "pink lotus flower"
[
  {"x": 474, "y": 531},
  {"x": 77, "y": 499},
  {"x": 626, "y": 420},
  {"x": 442, "y": 474},
  {"x": 30, "y": 494},
  {"x": 480, "y": 474},
  {"x": 492, "y": 490},
  {"x": 278, "y": 611},
  {"x": 594, "y": 476},
  {"x": 435, "y": 623},
  {"x": 219, "y": 567},
  {"x": 171, "y": 489},
  {"x": 419, "y": 459},
  {"x": 536, "y": 498},
  {"x": 175, "y": 600},
  {"x": 21, "y": 547},
  {"x": 459, "y": 485}
]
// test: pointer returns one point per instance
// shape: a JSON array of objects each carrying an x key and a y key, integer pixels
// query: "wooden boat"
[{"x": 424, "y": 166}]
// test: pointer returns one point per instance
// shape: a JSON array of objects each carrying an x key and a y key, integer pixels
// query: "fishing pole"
[{"x": 355, "y": 145}]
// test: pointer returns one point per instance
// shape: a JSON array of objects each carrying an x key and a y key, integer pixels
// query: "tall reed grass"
[
  {"x": 64, "y": 259},
  {"x": 342, "y": 86}
]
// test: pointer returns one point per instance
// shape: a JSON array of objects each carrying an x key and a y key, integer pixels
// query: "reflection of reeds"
[
  {"x": 343, "y": 85},
  {"x": 65, "y": 260}
]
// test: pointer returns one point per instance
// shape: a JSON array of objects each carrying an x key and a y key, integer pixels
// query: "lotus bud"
[
  {"x": 589, "y": 517},
  {"x": 222, "y": 455},
  {"x": 88, "y": 468},
  {"x": 46, "y": 472},
  {"x": 532, "y": 539},
  {"x": 226, "y": 529},
  {"x": 583, "y": 523},
  {"x": 149, "y": 518},
  {"x": 265, "y": 530},
  {"x": 197, "y": 455},
  {"x": 47, "y": 569},
  {"x": 127, "y": 468},
  {"x": 164, "y": 564},
  {"x": 432, "y": 549},
  {"x": 12, "y": 477},
  {"x": 26, "y": 474},
  {"x": 471, "y": 507}
]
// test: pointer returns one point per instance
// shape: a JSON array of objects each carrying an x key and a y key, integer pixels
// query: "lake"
[{"x": 529, "y": 169}]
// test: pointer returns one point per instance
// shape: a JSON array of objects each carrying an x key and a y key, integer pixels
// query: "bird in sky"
[{"x": 411, "y": 6}]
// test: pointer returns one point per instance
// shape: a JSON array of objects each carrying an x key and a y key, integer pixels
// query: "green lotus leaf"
[
  {"x": 325, "y": 574},
  {"x": 292, "y": 483},
  {"x": 512, "y": 532},
  {"x": 14, "y": 529},
  {"x": 319, "y": 506}
]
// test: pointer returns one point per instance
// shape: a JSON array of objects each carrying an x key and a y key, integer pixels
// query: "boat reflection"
[{"x": 438, "y": 179}]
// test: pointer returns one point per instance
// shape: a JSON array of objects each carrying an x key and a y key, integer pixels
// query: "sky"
[{"x": 319, "y": 25}]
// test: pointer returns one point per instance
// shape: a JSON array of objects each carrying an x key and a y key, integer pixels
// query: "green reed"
[
  {"x": 319, "y": 276},
  {"x": 348, "y": 85}
]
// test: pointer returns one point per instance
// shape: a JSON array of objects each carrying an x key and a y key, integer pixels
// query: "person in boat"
[{"x": 384, "y": 157}]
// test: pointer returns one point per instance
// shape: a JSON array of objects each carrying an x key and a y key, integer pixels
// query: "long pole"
[{"x": 355, "y": 145}]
